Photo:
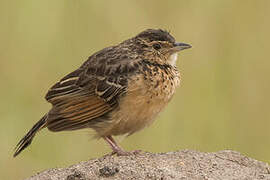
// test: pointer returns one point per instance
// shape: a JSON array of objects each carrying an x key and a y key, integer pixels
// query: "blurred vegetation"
[{"x": 223, "y": 102}]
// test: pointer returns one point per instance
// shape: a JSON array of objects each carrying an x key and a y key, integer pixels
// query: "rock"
[{"x": 182, "y": 165}]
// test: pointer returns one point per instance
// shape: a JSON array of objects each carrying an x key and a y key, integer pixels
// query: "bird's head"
[{"x": 157, "y": 42}]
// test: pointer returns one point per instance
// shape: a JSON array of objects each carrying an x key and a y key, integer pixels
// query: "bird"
[{"x": 118, "y": 90}]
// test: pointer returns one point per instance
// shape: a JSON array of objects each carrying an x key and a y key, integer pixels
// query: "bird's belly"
[{"x": 135, "y": 114}]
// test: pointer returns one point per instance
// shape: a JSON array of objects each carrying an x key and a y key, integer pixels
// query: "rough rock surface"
[{"x": 182, "y": 165}]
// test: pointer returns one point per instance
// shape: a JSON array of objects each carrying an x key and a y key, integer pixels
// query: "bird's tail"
[{"x": 27, "y": 139}]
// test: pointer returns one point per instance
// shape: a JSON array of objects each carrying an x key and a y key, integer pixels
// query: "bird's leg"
[{"x": 117, "y": 149}]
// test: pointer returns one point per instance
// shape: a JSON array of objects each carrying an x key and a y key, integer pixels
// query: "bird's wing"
[{"x": 82, "y": 97}]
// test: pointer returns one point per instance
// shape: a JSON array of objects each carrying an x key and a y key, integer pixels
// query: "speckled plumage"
[{"x": 118, "y": 90}]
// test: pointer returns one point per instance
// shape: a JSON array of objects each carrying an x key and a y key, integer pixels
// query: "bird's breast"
[{"x": 147, "y": 94}]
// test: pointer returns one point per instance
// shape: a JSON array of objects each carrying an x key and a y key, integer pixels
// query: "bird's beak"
[{"x": 180, "y": 46}]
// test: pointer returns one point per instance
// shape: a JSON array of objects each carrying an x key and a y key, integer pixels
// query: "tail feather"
[{"x": 27, "y": 139}]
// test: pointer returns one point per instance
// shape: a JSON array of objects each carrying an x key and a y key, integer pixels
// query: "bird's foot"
[
  {"x": 117, "y": 149},
  {"x": 126, "y": 153}
]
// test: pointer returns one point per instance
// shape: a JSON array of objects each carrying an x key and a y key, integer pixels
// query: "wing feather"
[{"x": 77, "y": 104}]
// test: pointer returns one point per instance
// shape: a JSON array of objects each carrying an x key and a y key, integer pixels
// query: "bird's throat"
[{"x": 172, "y": 59}]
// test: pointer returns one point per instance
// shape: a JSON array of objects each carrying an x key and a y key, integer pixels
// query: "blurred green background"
[{"x": 223, "y": 101}]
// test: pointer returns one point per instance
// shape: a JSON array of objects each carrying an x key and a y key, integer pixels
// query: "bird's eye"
[{"x": 156, "y": 46}]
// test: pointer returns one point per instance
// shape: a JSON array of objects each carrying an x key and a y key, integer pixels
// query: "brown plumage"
[{"x": 118, "y": 90}]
